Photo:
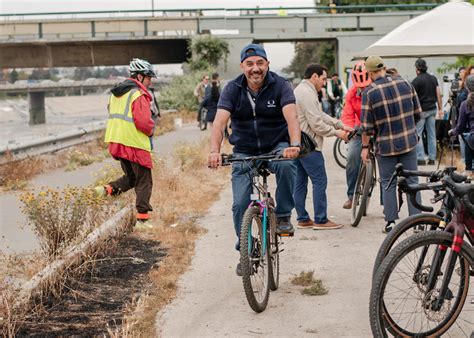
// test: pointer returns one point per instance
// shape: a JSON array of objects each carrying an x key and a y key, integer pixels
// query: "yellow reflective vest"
[{"x": 120, "y": 125}]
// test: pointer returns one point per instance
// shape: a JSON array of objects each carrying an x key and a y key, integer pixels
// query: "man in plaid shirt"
[{"x": 390, "y": 110}]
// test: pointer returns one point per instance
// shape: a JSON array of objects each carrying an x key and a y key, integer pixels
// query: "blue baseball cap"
[{"x": 252, "y": 50}]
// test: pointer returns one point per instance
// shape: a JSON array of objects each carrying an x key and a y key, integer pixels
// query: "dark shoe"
[
  {"x": 388, "y": 227},
  {"x": 421, "y": 162},
  {"x": 329, "y": 225},
  {"x": 307, "y": 224},
  {"x": 284, "y": 226},
  {"x": 347, "y": 204},
  {"x": 238, "y": 270},
  {"x": 431, "y": 162}
]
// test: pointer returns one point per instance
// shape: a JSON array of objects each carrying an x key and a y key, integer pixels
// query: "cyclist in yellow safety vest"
[{"x": 129, "y": 129}]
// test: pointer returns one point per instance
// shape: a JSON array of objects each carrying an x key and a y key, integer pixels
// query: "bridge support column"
[
  {"x": 36, "y": 107},
  {"x": 232, "y": 69}
]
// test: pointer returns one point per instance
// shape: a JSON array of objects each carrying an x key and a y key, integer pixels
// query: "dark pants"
[
  {"x": 386, "y": 168},
  {"x": 138, "y": 177}
]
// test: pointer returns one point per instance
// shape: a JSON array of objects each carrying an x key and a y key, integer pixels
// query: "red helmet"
[{"x": 360, "y": 76}]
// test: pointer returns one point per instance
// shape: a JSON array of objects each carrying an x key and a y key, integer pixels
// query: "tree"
[
  {"x": 207, "y": 51},
  {"x": 322, "y": 52},
  {"x": 462, "y": 61}
]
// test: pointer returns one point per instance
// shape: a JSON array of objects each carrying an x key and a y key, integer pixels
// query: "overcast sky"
[
  {"x": 32, "y": 6},
  {"x": 279, "y": 54}
]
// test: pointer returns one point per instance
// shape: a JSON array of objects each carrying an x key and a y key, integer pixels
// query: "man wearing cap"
[
  {"x": 261, "y": 106},
  {"x": 390, "y": 110},
  {"x": 427, "y": 89}
]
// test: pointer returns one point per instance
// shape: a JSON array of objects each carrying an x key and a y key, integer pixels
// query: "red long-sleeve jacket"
[
  {"x": 352, "y": 107},
  {"x": 142, "y": 118}
]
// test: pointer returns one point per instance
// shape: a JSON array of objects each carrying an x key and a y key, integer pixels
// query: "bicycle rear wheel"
[
  {"x": 254, "y": 260},
  {"x": 340, "y": 153},
  {"x": 274, "y": 268},
  {"x": 400, "y": 300},
  {"x": 361, "y": 193}
]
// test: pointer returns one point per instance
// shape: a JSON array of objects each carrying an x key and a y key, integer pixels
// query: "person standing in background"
[{"x": 427, "y": 89}]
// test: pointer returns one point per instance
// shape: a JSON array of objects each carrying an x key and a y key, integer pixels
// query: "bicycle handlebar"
[
  {"x": 461, "y": 191},
  {"x": 412, "y": 189},
  {"x": 228, "y": 159}
]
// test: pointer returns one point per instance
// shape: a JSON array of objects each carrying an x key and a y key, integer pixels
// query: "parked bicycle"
[
  {"x": 422, "y": 285},
  {"x": 422, "y": 221},
  {"x": 259, "y": 242},
  {"x": 366, "y": 180}
]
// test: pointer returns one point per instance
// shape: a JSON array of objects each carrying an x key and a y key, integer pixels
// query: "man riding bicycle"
[
  {"x": 261, "y": 106},
  {"x": 351, "y": 118}
]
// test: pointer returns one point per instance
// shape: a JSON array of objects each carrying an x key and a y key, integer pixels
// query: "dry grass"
[
  {"x": 15, "y": 174},
  {"x": 313, "y": 287},
  {"x": 305, "y": 278},
  {"x": 176, "y": 193},
  {"x": 166, "y": 123},
  {"x": 452, "y": 158}
]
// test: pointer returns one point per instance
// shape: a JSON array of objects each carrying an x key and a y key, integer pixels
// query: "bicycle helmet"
[
  {"x": 360, "y": 76},
  {"x": 140, "y": 66}
]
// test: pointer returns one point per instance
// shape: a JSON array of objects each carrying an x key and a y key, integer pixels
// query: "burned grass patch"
[{"x": 95, "y": 302}]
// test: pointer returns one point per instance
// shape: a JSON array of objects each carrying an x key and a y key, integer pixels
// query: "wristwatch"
[
  {"x": 365, "y": 146},
  {"x": 295, "y": 144}
]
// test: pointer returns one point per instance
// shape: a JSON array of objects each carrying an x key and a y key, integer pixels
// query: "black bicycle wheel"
[
  {"x": 274, "y": 271},
  {"x": 254, "y": 260},
  {"x": 400, "y": 301},
  {"x": 340, "y": 153},
  {"x": 372, "y": 185},
  {"x": 402, "y": 231},
  {"x": 361, "y": 193}
]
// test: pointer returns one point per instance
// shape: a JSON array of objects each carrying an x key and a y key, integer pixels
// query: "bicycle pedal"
[{"x": 286, "y": 235}]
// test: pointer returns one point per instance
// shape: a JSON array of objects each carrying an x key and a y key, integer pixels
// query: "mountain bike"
[
  {"x": 259, "y": 242},
  {"x": 422, "y": 286},
  {"x": 366, "y": 180},
  {"x": 338, "y": 108},
  {"x": 422, "y": 221}
]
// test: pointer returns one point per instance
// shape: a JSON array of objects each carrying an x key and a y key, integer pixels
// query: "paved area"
[
  {"x": 66, "y": 112},
  {"x": 211, "y": 301}
]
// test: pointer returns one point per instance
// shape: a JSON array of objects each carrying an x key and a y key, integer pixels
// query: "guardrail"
[
  {"x": 49, "y": 144},
  {"x": 23, "y": 149},
  {"x": 226, "y": 11}
]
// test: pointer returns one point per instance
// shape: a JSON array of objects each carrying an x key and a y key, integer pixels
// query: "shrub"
[{"x": 62, "y": 218}]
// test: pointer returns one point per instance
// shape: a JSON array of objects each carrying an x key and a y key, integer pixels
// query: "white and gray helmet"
[{"x": 140, "y": 66}]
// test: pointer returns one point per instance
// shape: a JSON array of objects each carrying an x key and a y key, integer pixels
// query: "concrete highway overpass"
[{"x": 84, "y": 41}]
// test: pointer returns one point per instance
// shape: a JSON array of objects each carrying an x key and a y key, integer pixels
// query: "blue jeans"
[
  {"x": 386, "y": 168},
  {"x": 285, "y": 172},
  {"x": 428, "y": 119},
  {"x": 353, "y": 164},
  {"x": 311, "y": 166}
]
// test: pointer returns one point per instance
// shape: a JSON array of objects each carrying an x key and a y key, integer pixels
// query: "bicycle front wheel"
[
  {"x": 340, "y": 153},
  {"x": 402, "y": 231},
  {"x": 254, "y": 260},
  {"x": 402, "y": 302},
  {"x": 361, "y": 193}
]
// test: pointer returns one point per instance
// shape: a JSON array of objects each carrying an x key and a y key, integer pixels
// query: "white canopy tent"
[{"x": 447, "y": 30}]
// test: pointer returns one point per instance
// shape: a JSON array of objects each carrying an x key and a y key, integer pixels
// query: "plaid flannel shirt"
[{"x": 390, "y": 110}]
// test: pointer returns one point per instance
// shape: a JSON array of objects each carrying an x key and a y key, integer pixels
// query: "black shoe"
[
  {"x": 421, "y": 162},
  {"x": 238, "y": 270},
  {"x": 284, "y": 226},
  {"x": 388, "y": 227},
  {"x": 431, "y": 162}
]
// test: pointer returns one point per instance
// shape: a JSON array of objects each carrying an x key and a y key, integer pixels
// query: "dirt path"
[{"x": 211, "y": 301}]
